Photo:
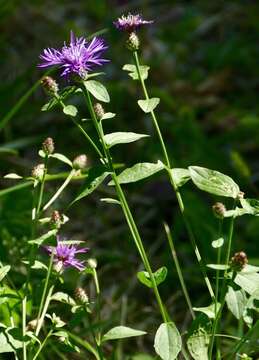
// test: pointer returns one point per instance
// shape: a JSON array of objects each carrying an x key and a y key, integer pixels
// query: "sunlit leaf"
[
  {"x": 122, "y": 138},
  {"x": 236, "y": 301},
  {"x": 148, "y": 105},
  {"x": 159, "y": 275},
  {"x": 121, "y": 332},
  {"x": 70, "y": 110},
  {"x": 98, "y": 90},
  {"x": 134, "y": 73},
  {"x": 168, "y": 342}
]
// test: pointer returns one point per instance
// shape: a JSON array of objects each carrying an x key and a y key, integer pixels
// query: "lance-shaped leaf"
[
  {"x": 121, "y": 332},
  {"x": 214, "y": 182},
  {"x": 64, "y": 298},
  {"x": 4, "y": 271},
  {"x": 62, "y": 158},
  {"x": 208, "y": 310},
  {"x": 217, "y": 243},
  {"x": 143, "y": 69},
  {"x": 95, "y": 177},
  {"x": 148, "y": 105},
  {"x": 13, "y": 176},
  {"x": 180, "y": 176},
  {"x": 70, "y": 110},
  {"x": 218, "y": 266},
  {"x": 47, "y": 239},
  {"x": 236, "y": 301},
  {"x": 98, "y": 90},
  {"x": 138, "y": 172},
  {"x": 168, "y": 342},
  {"x": 122, "y": 138},
  {"x": 159, "y": 275}
]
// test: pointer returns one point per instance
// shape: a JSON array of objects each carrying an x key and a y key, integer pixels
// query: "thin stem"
[
  {"x": 39, "y": 322},
  {"x": 223, "y": 292},
  {"x": 44, "y": 311},
  {"x": 24, "y": 350},
  {"x": 42, "y": 345},
  {"x": 97, "y": 287},
  {"x": 176, "y": 189},
  {"x": 96, "y": 341},
  {"x": 125, "y": 207},
  {"x": 85, "y": 344},
  {"x": 178, "y": 269},
  {"x": 62, "y": 187}
]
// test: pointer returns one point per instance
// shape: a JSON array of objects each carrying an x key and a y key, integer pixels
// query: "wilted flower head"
[
  {"x": 130, "y": 22},
  {"x": 65, "y": 255},
  {"x": 78, "y": 57}
]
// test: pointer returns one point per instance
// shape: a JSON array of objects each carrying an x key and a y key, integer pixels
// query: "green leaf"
[
  {"x": 121, "y": 332},
  {"x": 134, "y": 73},
  {"x": 95, "y": 177},
  {"x": 248, "y": 281},
  {"x": 180, "y": 176},
  {"x": 159, "y": 275},
  {"x": 208, "y": 310},
  {"x": 108, "y": 115},
  {"x": 8, "y": 343},
  {"x": 38, "y": 265},
  {"x": 148, "y": 105},
  {"x": 4, "y": 271},
  {"x": 236, "y": 212},
  {"x": 214, "y": 182},
  {"x": 13, "y": 176},
  {"x": 63, "y": 94},
  {"x": 251, "y": 206},
  {"x": 64, "y": 298},
  {"x": 218, "y": 266},
  {"x": 62, "y": 158},
  {"x": 217, "y": 243},
  {"x": 111, "y": 201},
  {"x": 198, "y": 338},
  {"x": 168, "y": 342},
  {"x": 70, "y": 110},
  {"x": 138, "y": 172},
  {"x": 42, "y": 239},
  {"x": 236, "y": 301},
  {"x": 142, "y": 357},
  {"x": 98, "y": 90},
  {"x": 122, "y": 138}
]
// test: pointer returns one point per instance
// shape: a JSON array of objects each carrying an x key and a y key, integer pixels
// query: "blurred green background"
[{"x": 204, "y": 67}]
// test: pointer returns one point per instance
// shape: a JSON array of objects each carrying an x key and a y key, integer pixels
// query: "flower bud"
[
  {"x": 38, "y": 171},
  {"x": 92, "y": 263},
  {"x": 48, "y": 146},
  {"x": 56, "y": 219},
  {"x": 219, "y": 210},
  {"x": 239, "y": 261},
  {"x": 98, "y": 109},
  {"x": 133, "y": 41},
  {"x": 49, "y": 85},
  {"x": 31, "y": 326},
  {"x": 81, "y": 296},
  {"x": 80, "y": 162}
]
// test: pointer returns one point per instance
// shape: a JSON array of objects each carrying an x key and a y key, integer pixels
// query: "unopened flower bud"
[
  {"x": 239, "y": 261},
  {"x": 80, "y": 162},
  {"x": 219, "y": 210},
  {"x": 81, "y": 296},
  {"x": 92, "y": 263},
  {"x": 48, "y": 146},
  {"x": 56, "y": 219},
  {"x": 50, "y": 85},
  {"x": 133, "y": 41},
  {"x": 38, "y": 171},
  {"x": 99, "y": 111},
  {"x": 31, "y": 326}
]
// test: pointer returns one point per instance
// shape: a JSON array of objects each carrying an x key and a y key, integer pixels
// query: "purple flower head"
[
  {"x": 65, "y": 255},
  {"x": 78, "y": 57},
  {"x": 130, "y": 22}
]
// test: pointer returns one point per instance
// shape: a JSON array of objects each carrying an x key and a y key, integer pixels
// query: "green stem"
[
  {"x": 223, "y": 292},
  {"x": 42, "y": 345},
  {"x": 85, "y": 344},
  {"x": 96, "y": 341},
  {"x": 24, "y": 350},
  {"x": 59, "y": 191},
  {"x": 178, "y": 269},
  {"x": 125, "y": 207},
  {"x": 97, "y": 287},
  {"x": 39, "y": 317},
  {"x": 176, "y": 189}
]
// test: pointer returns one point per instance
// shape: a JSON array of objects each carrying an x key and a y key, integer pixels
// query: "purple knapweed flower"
[
  {"x": 78, "y": 57},
  {"x": 65, "y": 255},
  {"x": 130, "y": 22}
]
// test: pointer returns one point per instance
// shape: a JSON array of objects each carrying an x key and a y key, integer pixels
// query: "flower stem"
[
  {"x": 41, "y": 312},
  {"x": 97, "y": 287},
  {"x": 178, "y": 269},
  {"x": 24, "y": 301},
  {"x": 96, "y": 341},
  {"x": 42, "y": 345},
  {"x": 176, "y": 189},
  {"x": 126, "y": 209},
  {"x": 62, "y": 187},
  {"x": 223, "y": 292}
]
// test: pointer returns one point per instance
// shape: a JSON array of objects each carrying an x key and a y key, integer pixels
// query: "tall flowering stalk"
[
  {"x": 78, "y": 59},
  {"x": 130, "y": 24}
]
